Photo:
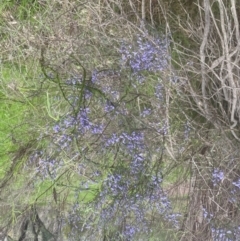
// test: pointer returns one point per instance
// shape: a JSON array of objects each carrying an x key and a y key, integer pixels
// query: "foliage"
[{"x": 115, "y": 129}]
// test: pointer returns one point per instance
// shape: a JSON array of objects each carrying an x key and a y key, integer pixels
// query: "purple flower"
[
  {"x": 94, "y": 76},
  {"x": 219, "y": 234},
  {"x": 137, "y": 164},
  {"x": 133, "y": 141},
  {"x": 87, "y": 94},
  {"x": 84, "y": 121},
  {"x": 207, "y": 215},
  {"x": 84, "y": 124},
  {"x": 74, "y": 80},
  {"x": 109, "y": 107},
  {"x": 56, "y": 128},
  {"x": 130, "y": 231},
  {"x": 146, "y": 112},
  {"x": 237, "y": 183},
  {"x": 97, "y": 129},
  {"x": 112, "y": 140},
  {"x": 146, "y": 55},
  {"x": 163, "y": 128},
  {"x": 217, "y": 176}
]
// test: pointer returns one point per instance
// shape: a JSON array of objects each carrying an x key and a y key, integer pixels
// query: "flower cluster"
[
  {"x": 159, "y": 92},
  {"x": 109, "y": 107},
  {"x": 146, "y": 55},
  {"x": 120, "y": 160},
  {"x": 77, "y": 223},
  {"x": 217, "y": 176},
  {"x": 146, "y": 112},
  {"x": 130, "y": 207},
  {"x": 224, "y": 234},
  {"x": 237, "y": 183},
  {"x": 207, "y": 215},
  {"x": 133, "y": 141},
  {"x": 74, "y": 80},
  {"x": 45, "y": 166},
  {"x": 80, "y": 123},
  {"x": 131, "y": 190}
]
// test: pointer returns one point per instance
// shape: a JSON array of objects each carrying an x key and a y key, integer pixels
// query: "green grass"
[
  {"x": 12, "y": 112},
  {"x": 23, "y": 9},
  {"x": 24, "y": 110}
]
